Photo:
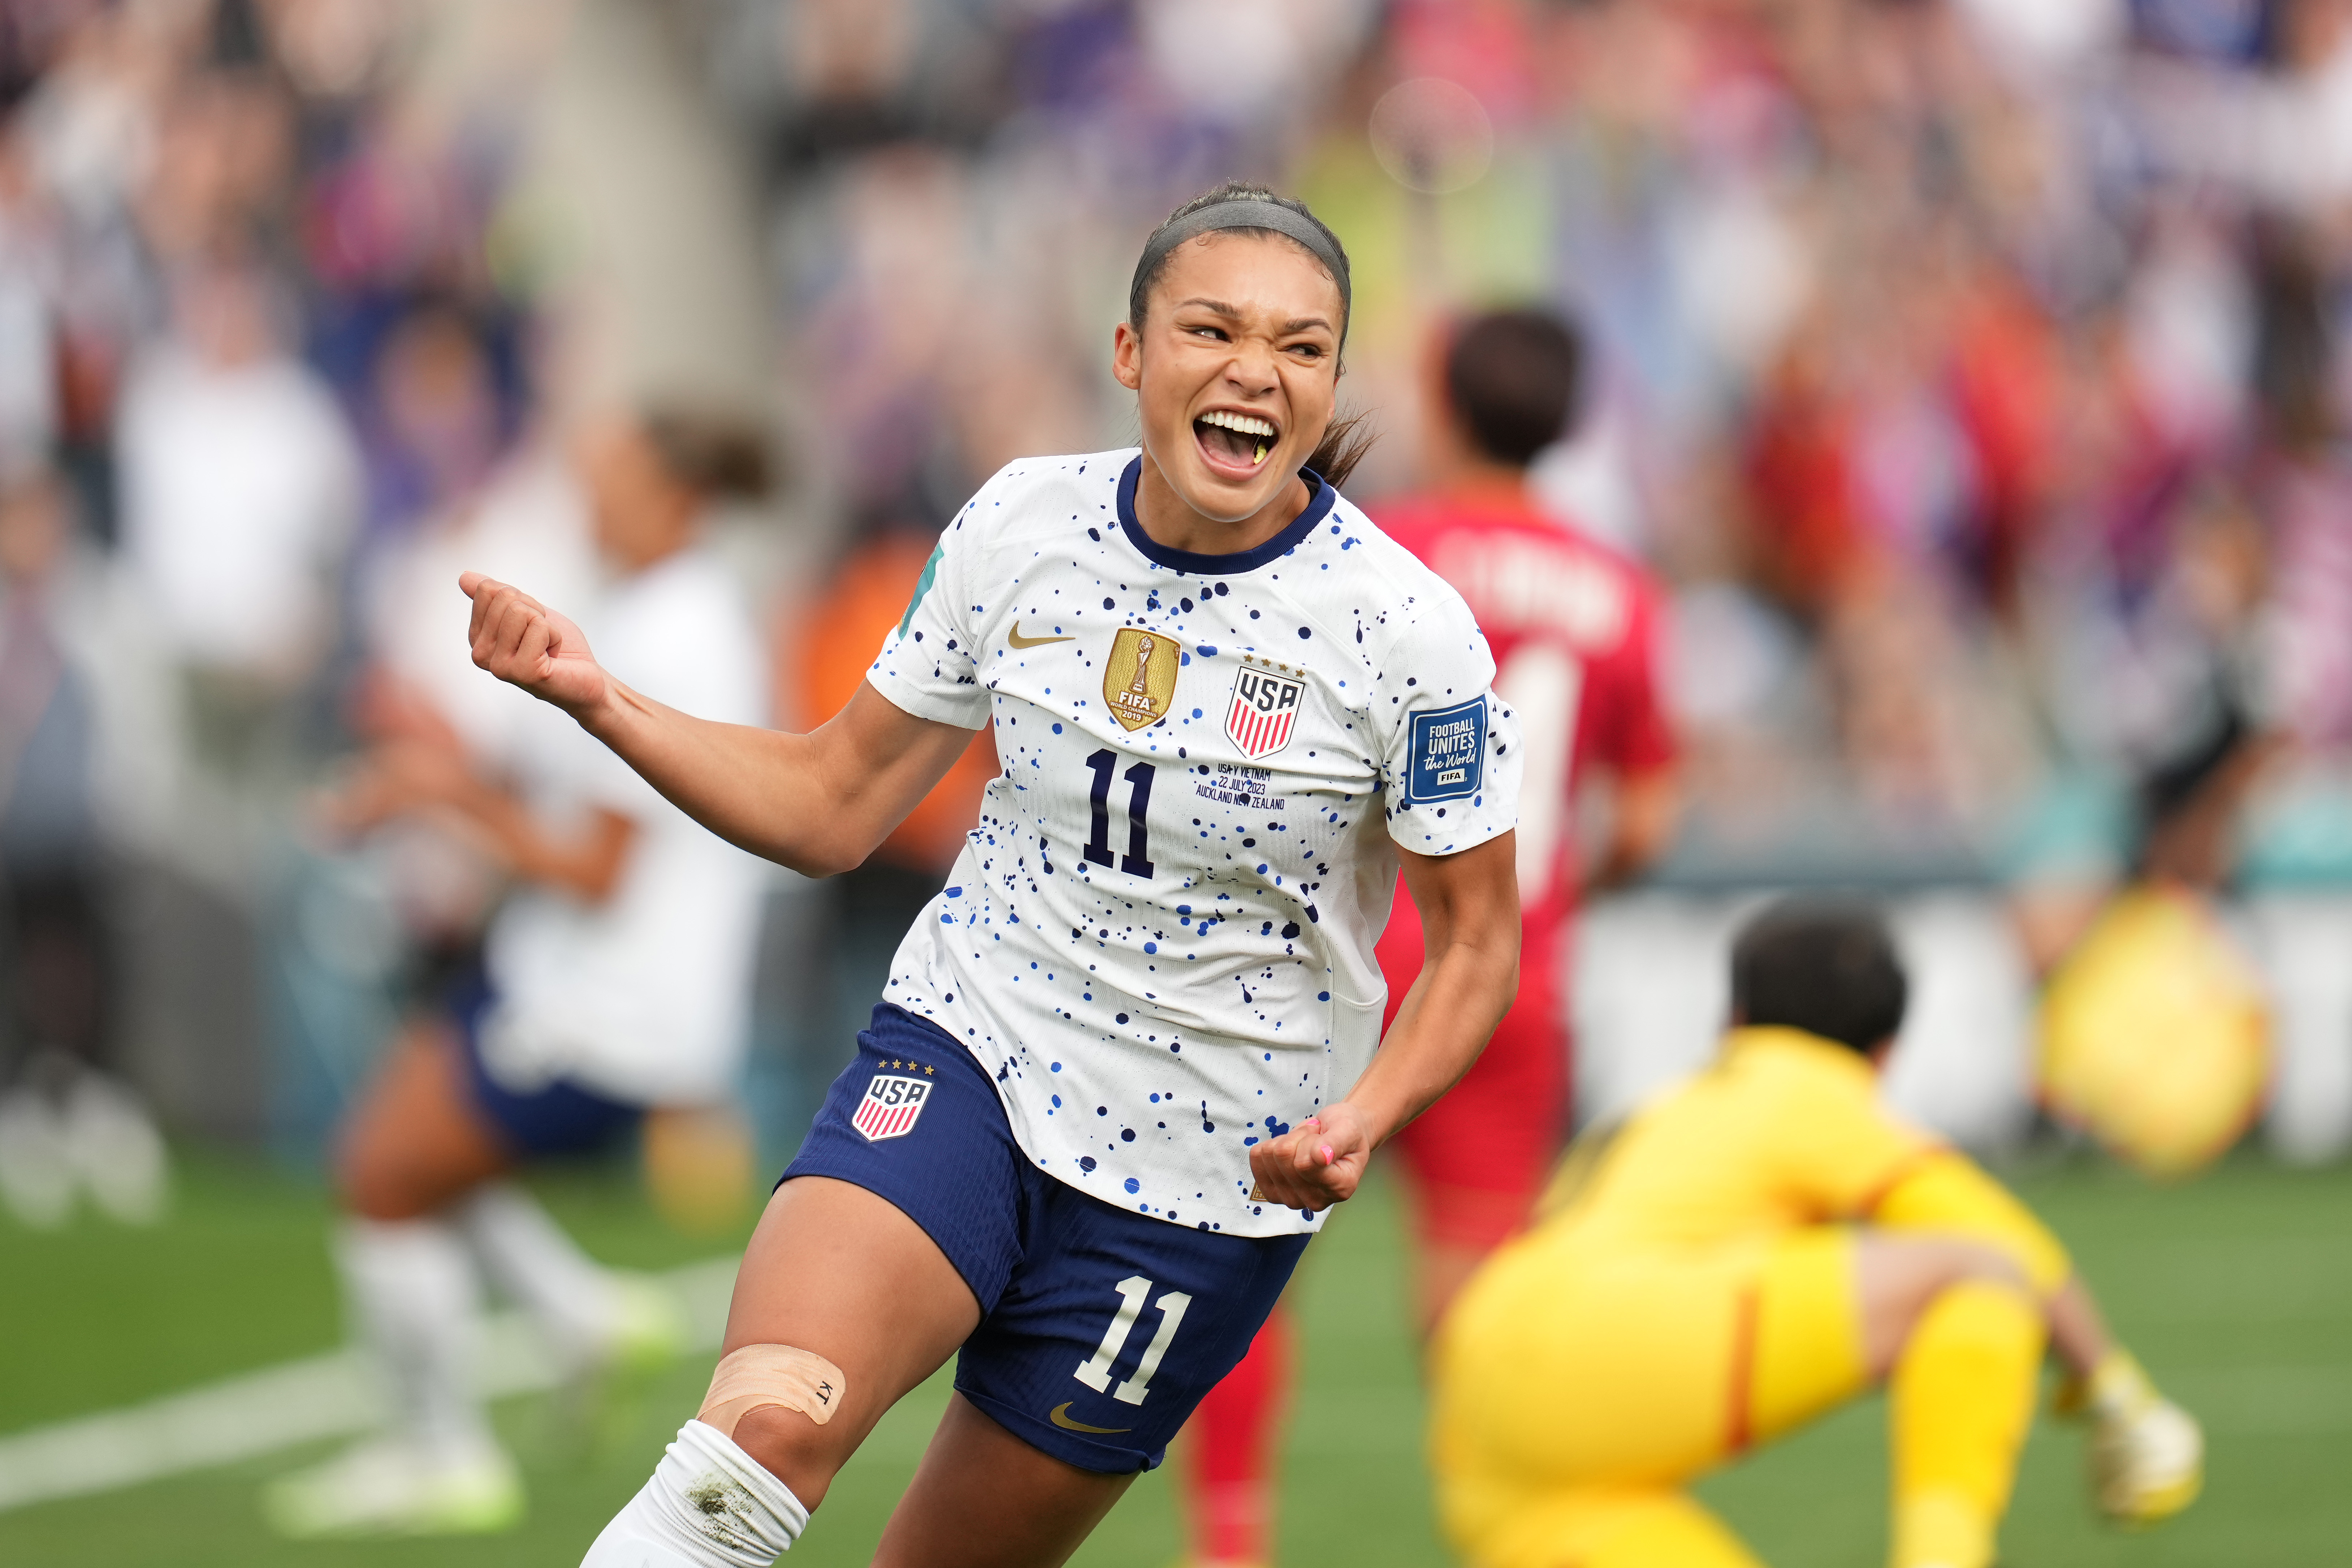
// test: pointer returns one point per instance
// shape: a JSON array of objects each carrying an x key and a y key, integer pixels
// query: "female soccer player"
[
  {"x": 615, "y": 978},
  {"x": 1124, "y": 1061}
]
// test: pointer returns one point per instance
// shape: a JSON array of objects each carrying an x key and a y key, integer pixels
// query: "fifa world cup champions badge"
[{"x": 1139, "y": 677}]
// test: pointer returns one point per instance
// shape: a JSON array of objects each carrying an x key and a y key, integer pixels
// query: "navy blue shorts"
[
  {"x": 562, "y": 1118},
  {"x": 1101, "y": 1328}
]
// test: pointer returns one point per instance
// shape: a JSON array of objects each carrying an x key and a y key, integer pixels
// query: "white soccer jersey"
[
  {"x": 644, "y": 997},
  {"x": 1159, "y": 938}
]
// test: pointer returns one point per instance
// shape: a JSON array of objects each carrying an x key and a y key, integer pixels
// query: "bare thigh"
[
  {"x": 1899, "y": 1277},
  {"x": 834, "y": 1270},
  {"x": 415, "y": 1142}
]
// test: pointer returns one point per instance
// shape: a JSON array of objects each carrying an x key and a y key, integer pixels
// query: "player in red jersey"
[{"x": 1573, "y": 625}]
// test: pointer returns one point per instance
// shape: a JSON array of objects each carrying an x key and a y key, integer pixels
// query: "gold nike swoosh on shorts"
[
  {"x": 1062, "y": 1419},
  {"x": 1017, "y": 640}
]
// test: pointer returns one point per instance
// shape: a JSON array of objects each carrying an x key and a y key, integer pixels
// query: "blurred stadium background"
[{"x": 1972, "y": 371}]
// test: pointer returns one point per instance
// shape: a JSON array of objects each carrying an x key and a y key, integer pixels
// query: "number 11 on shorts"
[{"x": 1095, "y": 1373}]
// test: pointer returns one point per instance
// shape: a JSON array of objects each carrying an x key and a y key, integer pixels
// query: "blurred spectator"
[
  {"x": 29, "y": 262},
  {"x": 239, "y": 485},
  {"x": 1972, "y": 371},
  {"x": 2155, "y": 1032},
  {"x": 67, "y": 1124},
  {"x": 437, "y": 426}
]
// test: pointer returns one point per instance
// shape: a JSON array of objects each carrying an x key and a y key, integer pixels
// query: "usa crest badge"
[
  {"x": 1139, "y": 676},
  {"x": 1264, "y": 708},
  {"x": 890, "y": 1107}
]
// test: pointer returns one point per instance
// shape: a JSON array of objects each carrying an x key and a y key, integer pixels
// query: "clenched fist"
[
  {"x": 525, "y": 644},
  {"x": 1314, "y": 1165}
]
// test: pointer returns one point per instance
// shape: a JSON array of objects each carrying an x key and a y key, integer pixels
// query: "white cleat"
[
  {"x": 36, "y": 1176},
  {"x": 390, "y": 1487},
  {"x": 116, "y": 1151},
  {"x": 648, "y": 1329}
]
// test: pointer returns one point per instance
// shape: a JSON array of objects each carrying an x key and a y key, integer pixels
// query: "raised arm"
[
  {"x": 1469, "y": 907},
  {"x": 818, "y": 803}
]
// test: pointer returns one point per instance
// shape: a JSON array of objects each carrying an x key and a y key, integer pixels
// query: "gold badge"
[{"x": 1139, "y": 677}]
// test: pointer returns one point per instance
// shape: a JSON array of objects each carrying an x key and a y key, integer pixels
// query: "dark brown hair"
[
  {"x": 708, "y": 452},
  {"x": 1346, "y": 440},
  {"x": 1513, "y": 378},
  {"x": 1824, "y": 964}
]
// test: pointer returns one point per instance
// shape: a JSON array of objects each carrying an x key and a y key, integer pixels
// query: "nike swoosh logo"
[
  {"x": 1060, "y": 1419},
  {"x": 1017, "y": 640}
]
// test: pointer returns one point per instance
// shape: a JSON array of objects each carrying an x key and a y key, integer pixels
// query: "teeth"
[{"x": 1246, "y": 423}]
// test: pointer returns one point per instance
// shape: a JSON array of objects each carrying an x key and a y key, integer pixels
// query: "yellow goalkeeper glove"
[{"x": 2147, "y": 1453}]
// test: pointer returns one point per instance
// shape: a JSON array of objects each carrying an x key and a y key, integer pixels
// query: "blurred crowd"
[{"x": 1970, "y": 370}]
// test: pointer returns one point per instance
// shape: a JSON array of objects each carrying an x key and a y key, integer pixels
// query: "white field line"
[{"x": 295, "y": 1401}]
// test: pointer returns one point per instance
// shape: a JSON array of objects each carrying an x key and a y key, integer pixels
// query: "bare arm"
[
  {"x": 587, "y": 864},
  {"x": 1950, "y": 1197},
  {"x": 1469, "y": 907},
  {"x": 417, "y": 778},
  {"x": 1646, "y": 810},
  {"x": 818, "y": 803},
  {"x": 2078, "y": 1332}
]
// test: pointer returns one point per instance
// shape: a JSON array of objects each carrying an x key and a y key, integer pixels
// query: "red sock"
[{"x": 1231, "y": 1444}]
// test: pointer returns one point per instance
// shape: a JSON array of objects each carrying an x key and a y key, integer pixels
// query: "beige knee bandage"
[{"x": 771, "y": 1375}]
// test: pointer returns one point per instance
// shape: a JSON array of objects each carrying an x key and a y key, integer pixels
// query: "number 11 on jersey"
[
  {"x": 1136, "y": 861},
  {"x": 1095, "y": 1372}
]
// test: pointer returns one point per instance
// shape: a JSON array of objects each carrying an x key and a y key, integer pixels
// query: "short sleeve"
[
  {"x": 1449, "y": 747},
  {"x": 1637, "y": 737},
  {"x": 929, "y": 661},
  {"x": 1949, "y": 1194},
  {"x": 1846, "y": 1151}
]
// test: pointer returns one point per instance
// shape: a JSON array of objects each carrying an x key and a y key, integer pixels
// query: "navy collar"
[{"x": 1319, "y": 507}]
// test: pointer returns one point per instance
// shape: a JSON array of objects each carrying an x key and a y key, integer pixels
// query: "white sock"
[
  {"x": 708, "y": 1505},
  {"x": 115, "y": 1149},
  {"x": 538, "y": 1266},
  {"x": 416, "y": 1308}
]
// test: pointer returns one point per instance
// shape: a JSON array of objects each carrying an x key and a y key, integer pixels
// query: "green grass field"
[{"x": 2237, "y": 1291}]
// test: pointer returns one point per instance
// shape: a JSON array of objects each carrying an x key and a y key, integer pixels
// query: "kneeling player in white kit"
[
  {"x": 616, "y": 980},
  {"x": 1125, "y": 1060}
]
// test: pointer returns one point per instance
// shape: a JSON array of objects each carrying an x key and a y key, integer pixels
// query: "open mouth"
[{"x": 1234, "y": 442}]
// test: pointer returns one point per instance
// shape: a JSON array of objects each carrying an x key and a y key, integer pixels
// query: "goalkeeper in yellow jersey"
[{"x": 1751, "y": 1251}]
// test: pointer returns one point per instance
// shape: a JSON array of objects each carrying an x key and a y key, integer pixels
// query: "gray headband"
[{"x": 1251, "y": 212}]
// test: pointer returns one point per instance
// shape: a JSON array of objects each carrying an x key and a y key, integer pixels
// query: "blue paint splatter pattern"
[{"x": 1157, "y": 938}]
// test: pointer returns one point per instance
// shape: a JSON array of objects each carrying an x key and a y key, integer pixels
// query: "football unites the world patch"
[
  {"x": 1139, "y": 676},
  {"x": 1264, "y": 709},
  {"x": 1448, "y": 754},
  {"x": 890, "y": 1107}
]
